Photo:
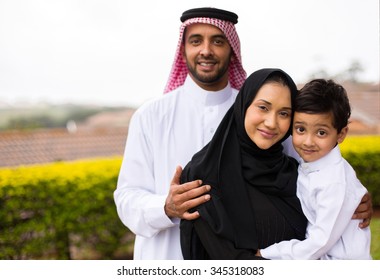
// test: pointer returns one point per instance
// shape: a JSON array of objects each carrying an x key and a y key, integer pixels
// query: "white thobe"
[
  {"x": 164, "y": 133},
  {"x": 329, "y": 192}
]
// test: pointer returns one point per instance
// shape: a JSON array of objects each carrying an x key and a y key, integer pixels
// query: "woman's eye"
[
  {"x": 262, "y": 107},
  {"x": 284, "y": 114}
]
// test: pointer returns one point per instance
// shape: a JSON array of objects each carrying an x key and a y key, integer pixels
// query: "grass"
[{"x": 375, "y": 242}]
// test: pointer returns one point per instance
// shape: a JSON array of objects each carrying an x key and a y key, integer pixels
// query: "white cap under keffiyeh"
[{"x": 179, "y": 71}]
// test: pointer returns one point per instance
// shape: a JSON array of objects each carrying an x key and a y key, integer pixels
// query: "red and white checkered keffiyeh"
[{"x": 237, "y": 74}]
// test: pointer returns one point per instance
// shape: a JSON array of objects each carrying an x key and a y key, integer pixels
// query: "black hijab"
[{"x": 230, "y": 163}]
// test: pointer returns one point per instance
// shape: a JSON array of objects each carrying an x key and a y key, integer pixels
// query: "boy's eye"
[
  {"x": 321, "y": 133},
  {"x": 300, "y": 129}
]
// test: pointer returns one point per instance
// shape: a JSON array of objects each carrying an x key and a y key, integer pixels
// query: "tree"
[{"x": 353, "y": 70}]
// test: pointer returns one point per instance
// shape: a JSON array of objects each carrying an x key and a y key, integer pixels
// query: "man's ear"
[
  {"x": 233, "y": 58},
  {"x": 183, "y": 53},
  {"x": 342, "y": 134}
]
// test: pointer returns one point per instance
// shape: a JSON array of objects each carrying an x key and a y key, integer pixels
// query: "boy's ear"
[{"x": 342, "y": 135}]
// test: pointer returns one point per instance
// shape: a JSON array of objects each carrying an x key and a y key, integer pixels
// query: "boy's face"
[{"x": 314, "y": 135}]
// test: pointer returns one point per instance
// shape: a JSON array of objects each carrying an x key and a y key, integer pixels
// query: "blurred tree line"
[
  {"x": 46, "y": 116},
  {"x": 351, "y": 74}
]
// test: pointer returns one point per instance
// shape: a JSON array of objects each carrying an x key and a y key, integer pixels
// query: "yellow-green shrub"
[
  {"x": 363, "y": 153},
  {"x": 53, "y": 210},
  {"x": 361, "y": 144}
]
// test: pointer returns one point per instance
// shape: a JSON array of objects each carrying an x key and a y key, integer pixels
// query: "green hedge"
[
  {"x": 61, "y": 211},
  {"x": 363, "y": 153},
  {"x": 66, "y": 210}
]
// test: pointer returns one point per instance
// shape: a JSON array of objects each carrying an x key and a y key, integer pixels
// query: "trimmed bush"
[
  {"x": 61, "y": 211},
  {"x": 363, "y": 153},
  {"x": 66, "y": 210}
]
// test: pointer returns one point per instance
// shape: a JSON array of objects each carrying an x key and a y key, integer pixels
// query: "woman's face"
[{"x": 268, "y": 118}]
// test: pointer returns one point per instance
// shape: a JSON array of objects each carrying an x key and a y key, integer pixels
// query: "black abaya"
[{"x": 253, "y": 196}]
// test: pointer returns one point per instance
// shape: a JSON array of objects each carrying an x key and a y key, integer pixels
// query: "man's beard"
[{"x": 208, "y": 79}]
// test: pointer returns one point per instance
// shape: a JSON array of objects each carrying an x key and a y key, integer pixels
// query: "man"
[{"x": 165, "y": 133}]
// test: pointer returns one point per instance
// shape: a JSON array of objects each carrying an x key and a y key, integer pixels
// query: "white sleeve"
[
  {"x": 332, "y": 218},
  {"x": 138, "y": 205},
  {"x": 289, "y": 149}
]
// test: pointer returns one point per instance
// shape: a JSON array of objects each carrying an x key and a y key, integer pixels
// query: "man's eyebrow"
[
  {"x": 219, "y": 35},
  {"x": 212, "y": 36}
]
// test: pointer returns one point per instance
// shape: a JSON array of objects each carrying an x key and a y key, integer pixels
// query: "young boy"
[{"x": 327, "y": 185}]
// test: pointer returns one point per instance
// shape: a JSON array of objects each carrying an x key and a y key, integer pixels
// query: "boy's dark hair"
[{"x": 324, "y": 96}]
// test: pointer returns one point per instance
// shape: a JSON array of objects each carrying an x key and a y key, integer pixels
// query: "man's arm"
[
  {"x": 138, "y": 197},
  {"x": 364, "y": 211}
]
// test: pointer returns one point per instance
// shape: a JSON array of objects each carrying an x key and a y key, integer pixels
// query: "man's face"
[{"x": 207, "y": 54}]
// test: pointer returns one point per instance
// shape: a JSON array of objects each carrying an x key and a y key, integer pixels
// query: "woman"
[{"x": 253, "y": 183}]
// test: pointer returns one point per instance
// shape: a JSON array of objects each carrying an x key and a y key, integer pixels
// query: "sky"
[{"x": 120, "y": 52}]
